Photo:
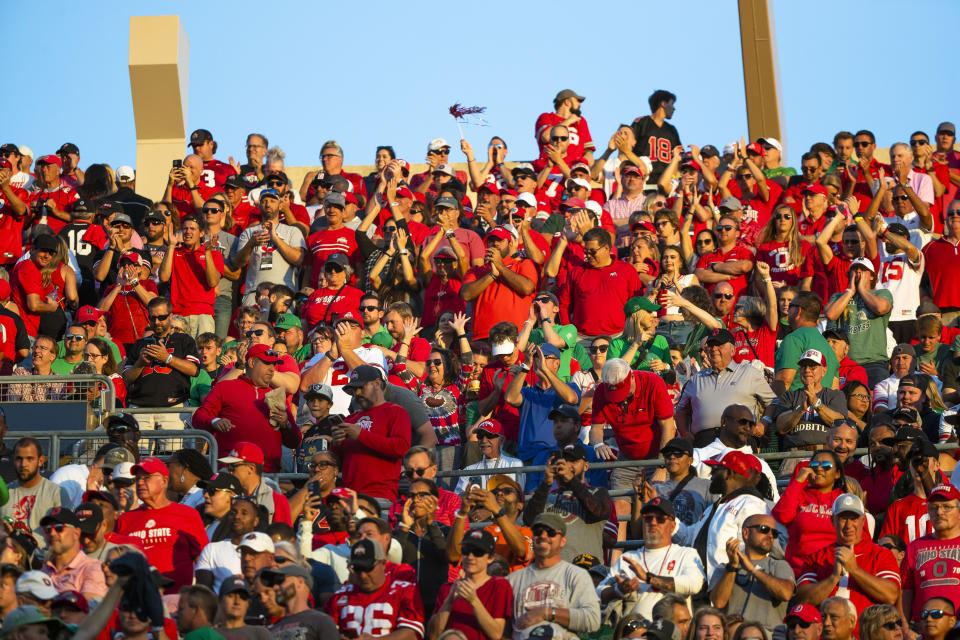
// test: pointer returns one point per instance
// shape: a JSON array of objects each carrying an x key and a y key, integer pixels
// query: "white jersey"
[
  {"x": 339, "y": 374},
  {"x": 902, "y": 279}
]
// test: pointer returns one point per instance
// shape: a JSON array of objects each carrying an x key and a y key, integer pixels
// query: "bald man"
[
  {"x": 186, "y": 186},
  {"x": 842, "y": 440}
]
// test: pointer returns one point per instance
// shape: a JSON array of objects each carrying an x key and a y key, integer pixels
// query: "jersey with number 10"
[
  {"x": 393, "y": 606},
  {"x": 655, "y": 142}
]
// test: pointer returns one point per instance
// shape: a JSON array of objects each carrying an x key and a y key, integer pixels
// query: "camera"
[{"x": 37, "y": 207}]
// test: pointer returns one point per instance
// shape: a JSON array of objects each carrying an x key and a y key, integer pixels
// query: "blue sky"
[{"x": 385, "y": 72}]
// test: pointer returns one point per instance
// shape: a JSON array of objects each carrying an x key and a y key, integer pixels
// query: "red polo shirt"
[
  {"x": 597, "y": 296},
  {"x": 871, "y": 557},
  {"x": 189, "y": 293},
  {"x": 499, "y": 302},
  {"x": 634, "y": 420},
  {"x": 738, "y": 252}
]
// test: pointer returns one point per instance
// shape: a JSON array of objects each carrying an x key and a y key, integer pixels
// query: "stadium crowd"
[{"x": 413, "y": 379}]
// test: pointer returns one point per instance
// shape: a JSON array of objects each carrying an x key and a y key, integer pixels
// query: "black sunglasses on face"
[
  {"x": 159, "y": 318},
  {"x": 436, "y": 361},
  {"x": 476, "y": 553},
  {"x": 212, "y": 210},
  {"x": 275, "y": 183},
  {"x": 891, "y": 625},
  {"x": 919, "y": 141},
  {"x": 798, "y": 623},
  {"x": 336, "y": 268},
  {"x": 861, "y": 145},
  {"x": 415, "y": 472},
  {"x": 545, "y": 531},
  {"x": 763, "y": 529},
  {"x": 599, "y": 348},
  {"x": 370, "y": 307},
  {"x": 725, "y": 227},
  {"x": 559, "y": 138},
  {"x": 783, "y": 216},
  {"x": 725, "y": 296},
  {"x": 936, "y": 614},
  {"x": 255, "y": 332},
  {"x": 901, "y": 198}
]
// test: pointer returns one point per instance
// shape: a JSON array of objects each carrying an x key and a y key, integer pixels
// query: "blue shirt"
[{"x": 535, "y": 432}]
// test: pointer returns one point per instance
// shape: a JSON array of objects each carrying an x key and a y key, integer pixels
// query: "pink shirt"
[
  {"x": 922, "y": 185},
  {"x": 82, "y": 574}
]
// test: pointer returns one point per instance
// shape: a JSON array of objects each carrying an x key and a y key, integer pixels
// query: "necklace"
[{"x": 662, "y": 562}]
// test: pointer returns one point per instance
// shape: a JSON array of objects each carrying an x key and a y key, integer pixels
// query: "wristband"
[
  {"x": 215, "y": 421},
  {"x": 328, "y": 355},
  {"x": 500, "y": 513},
  {"x": 393, "y": 204},
  {"x": 729, "y": 568},
  {"x": 404, "y": 252},
  {"x": 193, "y": 188}
]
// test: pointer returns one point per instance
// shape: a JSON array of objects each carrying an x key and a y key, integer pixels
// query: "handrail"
[{"x": 108, "y": 399}]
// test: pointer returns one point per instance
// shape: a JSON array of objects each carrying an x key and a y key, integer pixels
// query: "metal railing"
[{"x": 50, "y": 390}]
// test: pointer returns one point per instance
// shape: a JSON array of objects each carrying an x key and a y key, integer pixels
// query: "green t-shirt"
[
  {"x": 553, "y": 224},
  {"x": 657, "y": 348},
  {"x": 61, "y": 367},
  {"x": 302, "y": 354},
  {"x": 867, "y": 330},
  {"x": 779, "y": 171},
  {"x": 200, "y": 385},
  {"x": 62, "y": 351},
  {"x": 793, "y": 346},
  {"x": 574, "y": 350}
]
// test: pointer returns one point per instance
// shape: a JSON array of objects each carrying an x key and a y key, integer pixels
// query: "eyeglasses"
[
  {"x": 157, "y": 223},
  {"x": 420, "y": 494},
  {"x": 599, "y": 348},
  {"x": 275, "y": 183},
  {"x": 324, "y": 464},
  {"x": 701, "y": 243},
  {"x": 725, "y": 227},
  {"x": 541, "y": 530},
  {"x": 559, "y": 138},
  {"x": 783, "y": 216},
  {"x": 119, "y": 429},
  {"x": 860, "y": 396},
  {"x": 725, "y": 296},
  {"x": 370, "y": 307},
  {"x": 936, "y": 614},
  {"x": 415, "y": 472},
  {"x": 281, "y": 559},
  {"x": 890, "y": 625},
  {"x": 862, "y": 144},
  {"x": 159, "y": 318},
  {"x": 764, "y": 529},
  {"x": 951, "y": 214},
  {"x": 74, "y": 336},
  {"x": 93, "y": 355},
  {"x": 212, "y": 210},
  {"x": 826, "y": 465},
  {"x": 469, "y": 551},
  {"x": 57, "y": 526},
  {"x": 901, "y": 198},
  {"x": 255, "y": 332},
  {"x": 436, "y": 362}
]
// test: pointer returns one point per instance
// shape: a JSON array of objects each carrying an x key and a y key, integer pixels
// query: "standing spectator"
[
  {"x": 43, "y": 354},
  {"x": 853, "y": 567},
  {"x": 542, "y": 327},
  {"x": 738, "y": 427},
  {"x": 423, "y": 539},
  {"x": 65, "y": 562},
  {"x": 371, "y": 442},
  {"x": 901, "y": 270},
  {"x": 271, "y": 251},
  {"x": 32, "y": 496},
  {"x": 234, "y": 602},
  {"x": 803, "y": 622},
  {"x": 631, "y": 199},
  {"x": 863, "y": 311},
  {"x": 335, "y": 297},
  {"x": 292, "y": 584},
  {"x": 731, "y": 261},
  {"x": 215, "y": 215},
  {"x": 550, "y": 590},
  {"x": 755, "y": 585},
  {"x": 215, "y": 172},
  {"x": 159, "y": 368},
  {"x": 220, "y": 560},
  {"x": 237, "y": 410},
  {"x": 804, "y": 415},
  {"x": 57, "y": 196},
  {"x": 659, "y": 568},
  {"x": 489, "y": 435},
  {"x": 502, "y": 288},
  {"x": 566, "y": 113},
  {"x": 172, "y": 534},
  {"x": 124, "y": 304},
  {"x": 803, "y": 315},
  {"x": 193, "y": 268},
  {"x": 655, "y": 137},
  {"x": 43, "y": 285},
  {"x": 187, "y": 187},
  {"x": 943, "y": 267},
  {"x": 848, "y": 369},
  {"x": 934, "y": 555},
  {"x": 708, "y": 393}
]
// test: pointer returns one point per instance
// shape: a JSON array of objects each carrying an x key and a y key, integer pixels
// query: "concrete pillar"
[
  {"x": 159, "y": 64},
  {"x": 761, "y": 76}
]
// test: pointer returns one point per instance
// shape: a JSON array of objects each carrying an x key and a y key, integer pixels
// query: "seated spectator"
[
  {"x": 803, "y": 622},
  {"x": 679, "y": 483},
  {"x": 246, "y": 462},
  {"x": 737, "y": 428},
  {"x": 937, "y": 618},
  {"x": 292, "y": 584},
  {"x": 65, "y": 562},
  {"x": 220, "y": 560},
  {"x": 640, "y": 344},
  {"x": 489, "y": 437},
  {"x": 32, "y": 496},
  {"x": 43, "y": 354},
  {"x": 234, "y": 603},
  {"x": 421, "y": 462},
  {"x": 849, "y": 371}
]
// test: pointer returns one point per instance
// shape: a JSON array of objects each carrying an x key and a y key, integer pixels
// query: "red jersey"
[
  {"x": 441, "y": 297},
  {"x": 26, "y": 279},
  {"x": 931, "y": 568},
  {"x": 738, "y": 252},
  {"x": 580, "y": 139},
  {"x": 496, "y": 594},
  {"x": 172, "y": 538},
  {"x": 395, "y": 605},
  {"x": 11, "y": 230},
  {"x": 323, "y": 304},
  {"x": 777, "y": 255},
  {"x": 215, "y": 173},
  {"x": 851, "y": 370},
  {"x": 635, "y": 422},
  {"x": 597, "y": 296},
  {"x": 907, "y": 518},
  {"x": 371, "y": 463},
  {"x": 327, "y": 242},
  {"x": 127, "y": 316},
  {"x": 942, "y": 259},
  {"x": 448, "y": 503},
  {"x": 190, "y": 294},
  {"x": 807, "y": 514},
  {"x": 498, "y": 302},
  {"x": 871, "y": 557},
  {"x": 759, "y": 344},
  {"x": 63, "y": 194},
  {"x": 10, "y": 336},
  {"x": 182, "y": 199}
]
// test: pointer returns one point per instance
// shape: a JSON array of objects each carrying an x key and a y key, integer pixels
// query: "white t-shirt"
[
  {"x": 504, "y": 462},
  {"x": 222, "y": 558},
  {"x": 339, "y": 374},
  {"x": 673, "y": 561}
]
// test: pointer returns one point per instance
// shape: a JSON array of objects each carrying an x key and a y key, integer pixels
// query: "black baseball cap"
[
  {"x": 720, "y": 336},
  {"x": 364, "y": 554},
  {"x": 223, "y": 480},
  {"x": 68, "y": 147},
  {"x": 360, "y": 376},
  {"x": 564, "y": 411},
  {"x": 663, "y": 505},
  {"x": 479, "y": 539},
  {"x": 678, "y": 445},
  {"x": 924, "y": 449},
  {"x": 46, "y": 242},
  {"x": 102, "y": 496},
  {"x": 836, "y": 334},
  {"x": 90, "y": 515},
  {"x": 907, "y": 414},
  {"x": 574, "y": 452},
  {"x": 200, "y": 136},
  {"x": 234, "y": 182},
  {"x": 911, "y": 380},
  {"x": 122, "y": 418},
  {"x": 709, "y": 151},
  {"x": 60, "y": 515},
  {"x": 235, "y": 584},
  {"x": 9, "y": 147}
]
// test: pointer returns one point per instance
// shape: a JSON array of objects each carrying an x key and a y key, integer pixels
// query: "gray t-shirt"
[
  {"x": 751, "y": 599},
  {"x": 30, "y": 505},
  {"x": 306, "y": 625},
  {"x": 691, "y": 501},
  {"x": 564, "y": 586},
  {"x": 248, "y": 632},
  {"x": 408, "y": 400},
  {"x": 266, "y": 263},
  {"x": 811, "y": 429},
  {"x": 226, "y": 243}
]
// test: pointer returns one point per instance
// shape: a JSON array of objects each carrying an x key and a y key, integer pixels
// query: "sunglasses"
[
  {"x": 545, "y": 531},
  {"x": 336, "y": 268},
  {"x": 951, "y": 214},
  {"x": 632, "y": 626},
  {"x": 916, "y": 142},
  {"x": 655, "y": 519},
  {"x": 159, "y": 318},
  {"x": 600, "y": 348},
  {"x": 799, "y": 623},
  {"x": 783, "y": 216},
  {"x": 89, "y": 323},
  {"x": 155, "y": 222},
  {"x": 476, "y": 553},
  {"x": 370, "y": 307},
  {"x": 415, "y": 472},
  {"x": 73, "y": 336},
  {"x": 936, "y": 614},
  {"x": 559, "y": 138},
  {"x": 826, "y": 465},
  {"x": 901, "y": 198},
  {"x": 57, "y": 526},
  {"x": 389, "y": 229},
  {"x": 275, "y": 183},
  {"x": 212, "y": 210},
  {"x": 725, "y": 296},
  {"x": 420, "y": 494},
  {"x": 281, "y": 559},
  {"x": 743, "y": 422},
  {"x": 591, "y": 252},
  {"x": 701, "y": 243},
  {"x": 725, "y": 227},
  {"x": 502, "y": 490},
  {"x": 891, "y": 625},
  {"x": 119, "y": 429},
  {"x": 764, "y": 529},
  {"x": 543, "y": 299},
  {"x": 745, "y": 176},
  {"x": 862, "y": 145},
  {"x": 255, "y": 332},
  {"x": 436, "y": 362}
]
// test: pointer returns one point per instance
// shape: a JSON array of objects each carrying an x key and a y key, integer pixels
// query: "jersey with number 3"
[
  {"x": 215, "y": 173},
  {"x": 395, "y": 605},
  {"x": 655, "y": 142},
  {"x": 580, "y": 139},
  {"x": 930, "y": 568}
]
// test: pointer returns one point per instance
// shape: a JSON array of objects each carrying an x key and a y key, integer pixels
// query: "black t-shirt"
[
  {"x": 655, "y": 142},
  {"x": 811, "y": 429},
  {"x": 158, "y": 384},
  {"x": 86, "y": 255}
]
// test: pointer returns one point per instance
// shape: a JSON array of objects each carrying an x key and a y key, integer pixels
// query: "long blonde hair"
[
  {"x": 793, "y": 235},
  {"x": 59, "y": 257}
]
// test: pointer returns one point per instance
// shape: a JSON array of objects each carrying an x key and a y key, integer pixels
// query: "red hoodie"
[{"x": 806, "y": 512}]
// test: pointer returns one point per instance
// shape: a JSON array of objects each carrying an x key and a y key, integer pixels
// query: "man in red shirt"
[
  {"x": 331, "y": 157},
  {"x": 857, "y": 241},
  {"x": 849, "y": 369},
  {"x": 566, "y": 112},
  {"x": 732, "y": 261},
  {"x": 13, "y": 215},
  {"x": 942, "y": 258},
  {"x": 215, "y": 172},
  {"x": 866, "y": 170},
  {"x": 236, "y": 410},
  {"x": 193, "y": 269},
  {"x": 186, "y": 188},
  {"x": 933, "y": 560},
  {"x": 599, "y": 284},
  {"x": 495, "y": 377},
  {"x": 57, "y": 196},
  {"x": 907, "y": 517},
  {"x": 336, "y": 238},
  {"x": 172, "y": 534},
  {"x": 371, "y": 442},
  {"x": 502, "y": 288},
  {"x": 854, "y": 567},
  {"x": 245, "y": 462}
]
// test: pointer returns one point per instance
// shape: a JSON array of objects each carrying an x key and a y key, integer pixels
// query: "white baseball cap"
[
  {"x": 866, "y": 263},
  {"x": 580, "y": 182},
  {"x": 527, "y": 199},
  {"x": 258, "y": 542},
  {"x": 502, "y": 348},
  {"x": 437, "y": 144},
  {"x": 773, "y": 142},
  {"x": 730, "y": 148},
  {"x": 594, "y": 207},
  {"x": 125, "y": 174},
  {"x": 37, "y": 584},
  {"x": 123, "y": 471},
  {"x": 847, "y": 502},
  {"x": 25, "y": 150},
  {"x": 814, "y": 356}
]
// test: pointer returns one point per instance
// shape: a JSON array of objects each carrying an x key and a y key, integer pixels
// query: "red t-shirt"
[
  {"x": 172, "y": 538},
  {"x": 63, "y": 194},
  {"x": 395, "y": 605},
  {"x": 907, "y": 518},
  {"x": 495, "y": 594},
  {"x": 879, "y": 486},
  {"x": 810, "y": 227},
  {"x": 190, "y": 294},
  {"x": 26, "y": 279},
  {"x": 763, "y": 340},
  {"x": 244, "y": 214},
  {"x": 11, "y": 230},
  {"x": 871, "y": 557},
  {"x": 182, "y": 199},
  {"x": 508, "y": 415},
  {"x": 9, "y": 337},
  {"x": 127, "y": 316},
  {"x": 323, "y": 304},
  {"x": 929, "y": 569},
  {"x": 634, "y": 421},
  {"x": 807, "y": 514},
  {"x": 838, "y": 277},
  {"x": 580, "y": 139},
  {"x": 597, "y": 296},
  {"x": 371, "y": 463},
  {"x": 498, "y": 302},
  {"x": 441, "y": 297},
  {"x": 777, "y": 255},
  {"x": 113, "y": 627},
  {"x": 215, "y": 173},
  {"x": 942, "y": 259},
  {"x": 327, "y": 242},
  {"x": 738, "y": 252}
]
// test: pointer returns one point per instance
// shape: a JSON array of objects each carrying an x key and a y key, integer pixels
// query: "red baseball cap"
[
  {"x": 756, "y": 148},
  {"x": 348, "y": 196},
  {"x": 498, "y": 233},
  {"x": 420, "y": 197},
  {"x": 339, "y": 492},
  {"x": 263, "y": 353},
  {"x": 150, "y": 466},
  {"x": 403, "y": 192},
  {"x": 693, "y": 164},
  {"x": 738, "y": 462},
  {"x": 5, "y": 164},
  {"x": 631, "y": 168},
  {"x": 135, "y": 258},
  {"x": 243, "y": 452},
  {"x": 510, "y": 192},
  {"x": 87, "y": 313},
  {"x": 815, "y": 188},
  {"x": 4, "y": 289},
  {"x": 619, "y": 392},
  {"x": 348, "y": 316},
  {"x": 491, "y": 187},
  {"x": 73, "y": 599},
  {"x": 944, "y": 492},
  {"x": 404, "y": 167},
  {"x": 806, "y": 612},
  {"x": 573, "y": 203},
  {"x": 50, "y": 160},
  {"x": 644, "y": 224},
  {"x": 490, "y": 426}
]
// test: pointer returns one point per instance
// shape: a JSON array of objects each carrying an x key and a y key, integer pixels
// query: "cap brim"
[
  {"x": 620, "y": 393},
  {"x": 229, "y": 460}
]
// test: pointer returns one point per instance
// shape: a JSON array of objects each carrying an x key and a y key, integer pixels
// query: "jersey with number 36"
[{"x": 393, "y": 606}]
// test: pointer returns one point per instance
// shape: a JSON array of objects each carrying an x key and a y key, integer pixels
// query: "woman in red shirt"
[
  {"x": 335, "y": 297},
  {"x": 790, "y": 258},
  {"x": 806, "y": 507},
  {"x": 125, "y": 303},
  {"x": 757, "y": 322},
  {"x": 42, "y": 284}
]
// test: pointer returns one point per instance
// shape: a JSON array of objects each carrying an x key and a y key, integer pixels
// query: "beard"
[
  {"x": 716, "y": 485},
  {"x": 576, "y": 111}
]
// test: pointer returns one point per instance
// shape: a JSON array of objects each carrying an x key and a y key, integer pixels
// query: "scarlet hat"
[
  {"x": 814, "y": 356},
  {"x": 243, "y": 452},
  {"x": 619, "y": 392},
  {"x": 806, "y": 612},
  {"x": 404, "y": 192},
  {"x": 404, "y": 167},
  {"x": 135, "y": 258},
  {"x": 50, "y": 160},
  {"x": 263, "y": 353},
  {"x": 150, "y": 466},
  {"x": 348, "y": 316},
  {"x": 490, "y": 186},
  {"x": 816, "y": 188},
  {"x": 340, "y": 493},
  {"x": 349, "y": 198},
  {"x": 631, "y": 168},
  {"x": 510, "y": 192},
  {"x": 87, "y": 313},
  {"x": 573, "y": 203},
  {"x": 757, "y": 148},
  {"x": 944, "y": 492},
  {"x": 693, "y": 164},
  {"x": 499, "y": 234},
  {"x": 645, "y": 225},
  {"x": 491, "y": 426},
  {"x": 738, "y": 462},
  {"x": 72, "y": 599}
]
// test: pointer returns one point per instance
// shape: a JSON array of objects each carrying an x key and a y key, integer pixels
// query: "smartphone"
[
  {"x": 314, "y": 488},
  {"x": 150, "y": 340},
  {"x": 177, "y": 164},
  {"x": 475, "y": 480},
  {"x": 335, "y": 420}
]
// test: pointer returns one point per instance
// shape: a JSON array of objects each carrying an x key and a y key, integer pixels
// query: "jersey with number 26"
[{"x": 393, "y": 606}]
